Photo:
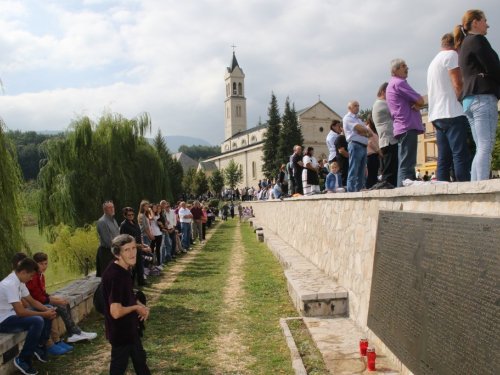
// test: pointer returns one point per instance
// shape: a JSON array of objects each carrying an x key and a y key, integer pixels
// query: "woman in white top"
[
  {"x": 155, "y": 229},
  {"x": 310, "y": 178}
]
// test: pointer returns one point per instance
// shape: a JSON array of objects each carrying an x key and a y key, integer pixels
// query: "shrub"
[{"x": 213, "y": 203}]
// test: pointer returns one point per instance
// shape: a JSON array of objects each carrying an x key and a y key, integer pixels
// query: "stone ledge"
[
  {"x": 313, "y": 293},
  {"x": 454, "y": 188}
]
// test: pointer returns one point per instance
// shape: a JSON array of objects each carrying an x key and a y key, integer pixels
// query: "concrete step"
[
  {"x": 312, "y": 291},
  {"x": 338, "y": 341}
]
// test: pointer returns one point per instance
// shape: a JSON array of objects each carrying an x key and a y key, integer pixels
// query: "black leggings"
[{"x": 156, "y": 248}]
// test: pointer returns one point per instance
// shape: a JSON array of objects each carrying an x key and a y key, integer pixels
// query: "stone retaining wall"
[
  {"x": 79, "y": 294},
  {"x": 337, "y": 232}
]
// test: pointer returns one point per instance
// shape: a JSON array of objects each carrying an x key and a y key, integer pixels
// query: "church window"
[
  {"x": 226, "y": 148},
  {"x": 234, "y": 88},
  {"x": 240, "y": 89},
  {"x": 235, "y": 145},
  {"x": 243, "y": 142},
  {"x": 321, "y": 129},
  {"x": 254, "y": 138},
  {"x": 254, "y": 170}
]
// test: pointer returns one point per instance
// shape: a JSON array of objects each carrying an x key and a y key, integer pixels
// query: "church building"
[{"x": 244, "y": 145}]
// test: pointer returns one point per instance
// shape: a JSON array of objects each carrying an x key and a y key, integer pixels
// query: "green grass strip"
[
  {"x": 267, "y": 302},
  {"x": 311, "y": 356}
]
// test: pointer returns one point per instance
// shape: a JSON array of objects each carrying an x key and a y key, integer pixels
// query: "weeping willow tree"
[
  {"x": 98, "y": 161},
  {"x": 11, "y": 222}
]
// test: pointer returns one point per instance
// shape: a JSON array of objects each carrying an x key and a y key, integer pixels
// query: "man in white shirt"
[
  {"x": 186, "y": 218},
  {"x": 356, "y": 133},
  {"x": 444, "y": 83},
  {"x": 14, "y": 317}
]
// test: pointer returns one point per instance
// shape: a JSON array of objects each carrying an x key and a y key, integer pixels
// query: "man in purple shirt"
[{"x": 404, "y": 104}]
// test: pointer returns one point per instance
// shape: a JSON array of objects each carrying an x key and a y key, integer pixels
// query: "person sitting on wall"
[
  {"x": 334, "y": 179},
  {"x": 15, "y": 317},
  {"x": 36, "y": 287}
]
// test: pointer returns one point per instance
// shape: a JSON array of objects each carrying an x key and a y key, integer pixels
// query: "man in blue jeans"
[
  {"x": 404, "y": 104},
  {"x": 444, "y": 82},
  {"x": 186, "y": 218},
  {"x": 14, "y": 317},
  {"x": 356, "y": 134}
]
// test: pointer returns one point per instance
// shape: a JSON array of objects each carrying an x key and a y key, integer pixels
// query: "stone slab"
[
  {"x": 435, "y": 294},
  {"x": 312, "y": 292},
  {"x": 338, "y": 341}
]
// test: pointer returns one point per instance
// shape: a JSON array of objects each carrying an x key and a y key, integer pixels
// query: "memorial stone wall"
[{"x": 338, "y": 233}]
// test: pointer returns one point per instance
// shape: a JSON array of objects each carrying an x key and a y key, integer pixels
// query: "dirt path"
[
  {"x": 232, "y": 356},
  {"x": 99, "y": 362}
]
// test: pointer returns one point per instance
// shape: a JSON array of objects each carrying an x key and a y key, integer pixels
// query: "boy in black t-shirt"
[{"x": 342, "y": 155}]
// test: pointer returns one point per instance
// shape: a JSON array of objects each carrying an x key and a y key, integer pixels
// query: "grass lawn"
[
  {"x": 54, "y": 280},
  {"x": 189, "y": 316}
]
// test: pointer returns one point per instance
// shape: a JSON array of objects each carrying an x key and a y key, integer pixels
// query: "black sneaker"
[
  {"x": 41, "y": 354},
  {"x": 24, "y": 367}
]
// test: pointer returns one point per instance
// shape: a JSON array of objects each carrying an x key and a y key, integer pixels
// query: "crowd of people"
[{"x": 463, "y": 91}]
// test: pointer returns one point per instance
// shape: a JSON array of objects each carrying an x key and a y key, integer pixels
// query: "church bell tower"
[{"x": 235, "y": 106}]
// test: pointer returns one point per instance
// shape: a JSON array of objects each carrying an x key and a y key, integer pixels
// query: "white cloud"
[{"x": 168, "y": 57}]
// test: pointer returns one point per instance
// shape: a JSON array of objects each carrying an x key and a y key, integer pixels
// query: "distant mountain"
[
  {"x": 175, "y": 141},
  {"x": 50, "y": 132}
]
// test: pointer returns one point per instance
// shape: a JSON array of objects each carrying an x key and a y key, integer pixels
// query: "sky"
[{"x": 62, "y": 59}]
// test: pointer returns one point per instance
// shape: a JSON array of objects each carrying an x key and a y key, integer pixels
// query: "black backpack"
[{"x": 99, "y": 300}]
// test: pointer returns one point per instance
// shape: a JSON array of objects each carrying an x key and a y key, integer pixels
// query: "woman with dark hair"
[
  {"x": 480, "y": 68},
  {"x": 385, "y": 131},
  {"x": 330, "y": 140},
  {"x": 373, "y": 154},
  {"x": 310, "y": 178}
]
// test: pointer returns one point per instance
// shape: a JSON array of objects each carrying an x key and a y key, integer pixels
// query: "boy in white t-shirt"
[{"x": 14, "y": 317}]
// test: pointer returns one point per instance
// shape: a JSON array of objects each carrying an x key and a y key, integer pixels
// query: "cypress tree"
[
  {"x": 270, "y": 167},
  {"x": 287, "y": 137},
  {"x": 296, "y": 129},
  {"x": 166, "y": 158}
]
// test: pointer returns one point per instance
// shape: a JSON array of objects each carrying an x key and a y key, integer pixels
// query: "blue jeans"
[
  {"x": 357, "y": 167},
  {"x": 451, "y": 134},
  {"x": 167, "y": 248},
  {"x": 38, "y": 332},
  {"x": 407, "y": 155},
  {"x": 186, "y": 235},
  {"x": 483, "y": 119}
]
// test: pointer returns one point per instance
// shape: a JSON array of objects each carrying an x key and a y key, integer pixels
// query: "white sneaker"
[
  {"x": 89, "y": 335},
  {"x": 76, "y": 338}
]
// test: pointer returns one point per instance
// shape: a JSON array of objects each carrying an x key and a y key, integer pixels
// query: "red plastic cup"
[
  {"x": 363, "y": 344},
  {"x": 371, "y": 356}
]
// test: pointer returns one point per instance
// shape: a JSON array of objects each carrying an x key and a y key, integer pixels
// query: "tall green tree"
[
  {"x": 11, "y": 223},
  {"x": 98, "y": 161},
  {"x": 495, "y": 157},
  {"x": 296, "y": 128},
  {"x": 233, "y": 174},
  {"x": 290, "y": 134},
  {"x": 200, "y": 183},
  {"x": 176, "y": 177},
  {"x": 271, "y": 165},
  {"x": 188, "y": 181},
  {"x": 216, "y": 181},
  {"x": 167, "y": 160},
  {"x": 363, "y": 114}
]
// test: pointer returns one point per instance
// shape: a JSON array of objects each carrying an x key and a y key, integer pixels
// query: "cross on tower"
[
  {"x": 319, "y": 98},
  {"x": 233, "y": 47}
]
